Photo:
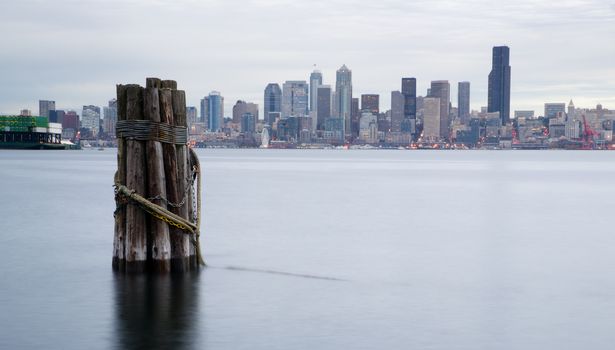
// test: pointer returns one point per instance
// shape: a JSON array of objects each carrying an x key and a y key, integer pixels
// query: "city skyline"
[{"x": 540, "y": 35}]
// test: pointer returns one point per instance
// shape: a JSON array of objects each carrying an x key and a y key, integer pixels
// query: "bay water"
[{"x": 322, "y": 249}]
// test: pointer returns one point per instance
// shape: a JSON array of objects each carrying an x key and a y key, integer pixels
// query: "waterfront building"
[
  {"x": 334, "y": 129},
  {"x": 471, "y": 134},
  {"x": 557, "y": 128},
  {"x": 431, "y": 119},
  {"x": 343, "y": 91},
  {"x": 397, "y": 110},
  {"x": 44, "y": 106},
  {"x": 499, "y": 83},
  {"x": 90, "y": 119},
  {"x": 441, "y": 90},
  {"x": 323, "y": 105},
  {"x": 463, "y": 102},
  {"x": 288, "y": 128},
  {"x": 272, "y": 103},
  {"x": 555, "y": 110},
  {"x": 295, "y": 98},
  {"x": 215, "y": 111},
  {"x": 315, "y": 82},
  {"x": 398, "y": 138}
]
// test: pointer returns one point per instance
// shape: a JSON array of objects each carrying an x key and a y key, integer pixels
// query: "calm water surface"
[{"x": 322, "y": 250}]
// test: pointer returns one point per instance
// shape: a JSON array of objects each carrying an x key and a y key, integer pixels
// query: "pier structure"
[{"x": 157, "y": 184}]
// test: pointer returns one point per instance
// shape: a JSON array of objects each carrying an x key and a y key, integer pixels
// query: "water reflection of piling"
[{"x": 156, "y": 311}]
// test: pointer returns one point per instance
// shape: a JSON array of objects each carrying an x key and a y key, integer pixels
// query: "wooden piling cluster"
[{"x": 158, "y": 171}]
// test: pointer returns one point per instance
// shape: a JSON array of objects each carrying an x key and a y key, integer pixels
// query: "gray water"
[{"x": 322, "y": 250}]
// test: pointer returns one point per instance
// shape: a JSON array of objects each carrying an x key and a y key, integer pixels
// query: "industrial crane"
[{"x": 588, "y": 135}]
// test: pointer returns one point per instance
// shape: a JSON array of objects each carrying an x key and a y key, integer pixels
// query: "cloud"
[{"x": 76, "y": 51}]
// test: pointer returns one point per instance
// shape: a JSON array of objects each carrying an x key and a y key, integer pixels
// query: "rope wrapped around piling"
[{"x": 147, "y": 130}]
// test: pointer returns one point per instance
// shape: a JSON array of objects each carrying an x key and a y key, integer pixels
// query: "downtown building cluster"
[{"x": 310, "y": 113}]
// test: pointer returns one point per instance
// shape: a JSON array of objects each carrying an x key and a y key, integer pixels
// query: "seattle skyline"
[{"x": 559, "y": 51}]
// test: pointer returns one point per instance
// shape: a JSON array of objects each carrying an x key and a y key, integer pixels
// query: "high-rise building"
[
  {"x": 242, "y": 107},
  {"x": 571, "y": 111},
  {"x": 442, "y": 90},
  {"x": 555, "y": 110},
  {"x": 70, "y": 121},
  {"x": 368, "y": 127},
  {"x": 90, "y": 119},
  {"x": 408, "y": 90},
  {"x": 315, "y": 82},
  {"x": 110, "y": 117},
  {"x": 355, "y": 115},
  {"x": 343, "y": 92},
  {"x": 56, "y": 116},
  {"x": 432, "y": 119},
  {"x": 463, "y": 101},
  {"x": 215, "y": 118},
  {"x": 499, "y": 84},
  {"x": 248, "y": 123},
  {"x": 371, "y": 103},
  {"x": 191, "y": 115},
  {"x": 323, "y": 111},
  {"x": 44, "y": 107},
  {"x": 204, "y": 116},
  {"x": 397, "y": 110},
  {"x": 295, "y": 98},
  {"x": 273, "y": 103}
]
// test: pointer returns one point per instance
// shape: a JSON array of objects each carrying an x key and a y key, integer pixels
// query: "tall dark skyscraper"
[
  {"x": 323, "y": 106},
  {"x": 463, "y": 101},
  {"x": 499, "y": 84},
  {"x": 355, "y": 117},
  {"x": 408, "y": 90},
  {"x": 273, "y": 102}
]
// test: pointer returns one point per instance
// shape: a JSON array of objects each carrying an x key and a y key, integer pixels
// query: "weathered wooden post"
[
  {"x": 160, "y": 248},
  {"x": 154, "y": 228}
]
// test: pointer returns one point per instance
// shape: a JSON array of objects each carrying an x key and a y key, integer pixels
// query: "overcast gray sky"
[{"x": 74, "y": 52}]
